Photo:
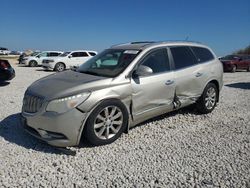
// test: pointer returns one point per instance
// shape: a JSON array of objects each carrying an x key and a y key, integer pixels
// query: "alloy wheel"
[
  {"x": 210, "y": 98},
  {"x": 108, "y": 122}
]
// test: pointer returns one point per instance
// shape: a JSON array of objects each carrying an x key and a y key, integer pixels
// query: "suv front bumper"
[{"x": 59, "y": 130}]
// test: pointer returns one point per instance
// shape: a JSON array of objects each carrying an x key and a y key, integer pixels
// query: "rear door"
[
  {"x": 188, "y": 75},
  {"x": 83, "y": 57},
  {"x": 74, "y": 59}
]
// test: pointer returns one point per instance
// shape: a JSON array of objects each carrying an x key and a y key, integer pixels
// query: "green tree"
[{"x": 243, "y": 51}]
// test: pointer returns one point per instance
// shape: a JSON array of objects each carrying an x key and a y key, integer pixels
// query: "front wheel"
[
  {"x": 59, "y": 67},
  {"x": 208, "y": 100},
  {"x": 32, "y": 63},
  {"x": 106, "y": 123}
]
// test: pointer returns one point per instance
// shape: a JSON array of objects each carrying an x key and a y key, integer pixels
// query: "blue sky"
[{"x": 224, "y": 25}]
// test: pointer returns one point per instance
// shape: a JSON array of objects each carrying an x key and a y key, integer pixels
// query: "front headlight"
[{"x": 64, "y": 104}]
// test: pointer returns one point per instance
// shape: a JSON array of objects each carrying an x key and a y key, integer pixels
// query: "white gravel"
[{"x": 180, "y": 149}]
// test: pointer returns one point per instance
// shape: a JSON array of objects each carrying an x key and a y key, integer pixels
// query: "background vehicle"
[
  {"x": 236, "y": 62},
  {"x": 119, "y": 88},
  {"x": 15, "y": 53},
  {"x": 4, "y": 51},
  {"x": 36, "y": 58},
  {"x": 68, "y": 60},
  {"x": 6, "y": 71}
]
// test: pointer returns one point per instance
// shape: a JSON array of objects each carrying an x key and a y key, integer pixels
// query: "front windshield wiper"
[{"x": 89, "y": 72}]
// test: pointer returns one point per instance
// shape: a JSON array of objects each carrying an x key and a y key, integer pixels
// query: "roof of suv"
[{"x": 146, "y": 44}]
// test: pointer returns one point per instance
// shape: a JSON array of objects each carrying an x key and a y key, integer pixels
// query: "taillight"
[{"x": 4, "y": 65}]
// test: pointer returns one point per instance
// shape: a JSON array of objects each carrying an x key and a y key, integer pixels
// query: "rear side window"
[
  {"x": 53, "y": 54},
  {"x": 92, "y": 53},
  {"x": 157, "y": 61},
  {"x": 183, "y": 57},
  {"x": 202, "y": 54},
  {"x": 80, "y": 54}
]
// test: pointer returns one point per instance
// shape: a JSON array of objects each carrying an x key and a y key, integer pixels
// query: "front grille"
[{"x": 32, "y": 104}]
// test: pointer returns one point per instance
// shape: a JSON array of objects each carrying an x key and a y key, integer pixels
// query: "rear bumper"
[
  {"x": 8, "y": 74},
  {"x": 59, "y": 130}
]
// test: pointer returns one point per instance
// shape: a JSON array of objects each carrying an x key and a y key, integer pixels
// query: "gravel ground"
[{"x": 180, "y": 149}]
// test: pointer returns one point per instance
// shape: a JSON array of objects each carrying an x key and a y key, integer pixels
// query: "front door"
[{"x": 153, "y": 94}]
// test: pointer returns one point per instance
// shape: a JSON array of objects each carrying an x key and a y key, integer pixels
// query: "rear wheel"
[
  {"x": 234, "y": 68},
  {"x": 59, "y": 67},
  {"x": 106, "y": 123},
  {"x": 248, "y": 69},
  {"x": 208, "y": 100},
  {"x": 33, "y": 63}
]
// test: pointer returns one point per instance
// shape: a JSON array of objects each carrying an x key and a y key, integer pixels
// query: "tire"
[
  {"x": 59, "y": 67},
  {"x": 234, "y": 68},
  {"x": 208, "y": 99},
  {"x": 100, "y": 128},
  {"x": 32, "y": 63},
  {"x": 248, "y": 69}
]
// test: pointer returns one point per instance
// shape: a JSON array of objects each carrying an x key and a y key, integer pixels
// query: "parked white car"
[
  {"x": 37, "y": 58},
  {"x": 4, "y": 51},
  {"x": 68, "y": 60}
]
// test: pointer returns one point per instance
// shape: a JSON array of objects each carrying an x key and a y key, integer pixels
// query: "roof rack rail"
[
  {"x": 179, "y": 41},
  {"x": 120, "y": 44},
  {"x": 141, "y": 42}
]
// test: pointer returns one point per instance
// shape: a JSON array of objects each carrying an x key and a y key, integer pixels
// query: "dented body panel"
[{"x": 144, "y": 96}]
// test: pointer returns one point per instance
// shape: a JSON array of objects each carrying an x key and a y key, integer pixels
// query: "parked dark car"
[
  {"x": 6, "y": 71},
  {"x": 232, "y": 63}
]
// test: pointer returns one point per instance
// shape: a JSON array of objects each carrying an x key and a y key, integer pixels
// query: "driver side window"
[{"x": 157, "y": 60}]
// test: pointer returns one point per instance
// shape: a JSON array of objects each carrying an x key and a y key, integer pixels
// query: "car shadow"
[
  {"x": 12, "y": 131},
  {"x": 240, "y": 85},
  {"x": 44, "y": 70},
  {"x": 2, "y": 84}
]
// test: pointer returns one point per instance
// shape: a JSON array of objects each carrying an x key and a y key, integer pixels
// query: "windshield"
[
  {"x": 230, "y": 57},
  {"x": 64, "y": 54},
  {"x": 34, "y": 53},
  {"x": 109, "y": 63}
]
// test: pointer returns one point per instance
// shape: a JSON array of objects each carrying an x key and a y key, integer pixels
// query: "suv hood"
[{"x": 66, "y": 83}]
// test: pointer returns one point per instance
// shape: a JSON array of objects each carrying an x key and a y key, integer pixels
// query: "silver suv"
[{"x": 119, "y": 88}]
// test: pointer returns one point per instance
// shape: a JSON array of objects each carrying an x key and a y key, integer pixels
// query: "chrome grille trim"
[{"x": 31, "y": 103}]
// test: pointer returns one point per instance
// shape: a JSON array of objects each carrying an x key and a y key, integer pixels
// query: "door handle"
[
  {"x": 169, "y": 82},
  {"x": 198, "y": 74}
]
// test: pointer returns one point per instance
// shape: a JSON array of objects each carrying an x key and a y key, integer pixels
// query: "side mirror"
[
  {"x": 38, "y": 56},
  {"x": 69, "y": 56},
  {"x": 143, "y": 70}
]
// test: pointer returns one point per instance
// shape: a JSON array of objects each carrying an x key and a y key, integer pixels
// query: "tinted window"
[
  {"x": 79, "y": 54},
  {"x": 92, "y": 53},
  {"x": 183, "y": 57},
  {"x": 75, "y": 54},
  {"x": 53, "y": 54},
  {"x": 202, "y": 54},
  {"x": 157, "y": 61},
  {"x": 230, "y": 57}
]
